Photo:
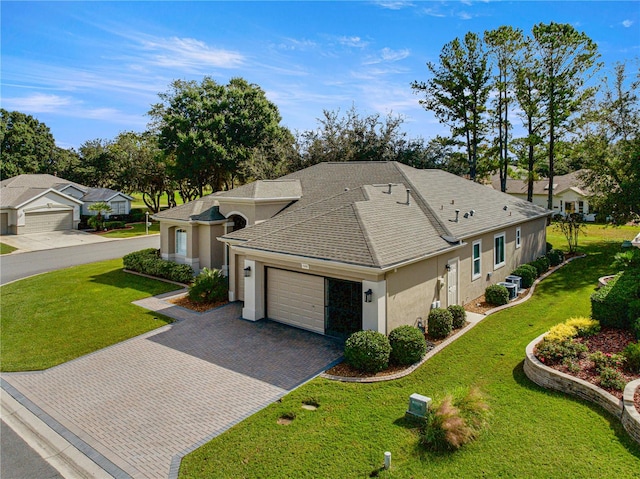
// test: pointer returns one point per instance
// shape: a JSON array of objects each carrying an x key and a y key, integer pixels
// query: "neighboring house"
[
  {"x": 40, "y": 203},
  {"x": 569, "y": 194},
  {"x": 340, "y": 247}
]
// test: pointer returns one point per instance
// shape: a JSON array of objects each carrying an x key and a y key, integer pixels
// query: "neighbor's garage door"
[
  {"x": 49, "y": 221},
  {"x": 4, "y": 223},
  {"x": 296, "y": 299}
]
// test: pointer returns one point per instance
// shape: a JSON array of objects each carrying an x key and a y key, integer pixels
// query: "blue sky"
[{"x": 92, "y": 69}]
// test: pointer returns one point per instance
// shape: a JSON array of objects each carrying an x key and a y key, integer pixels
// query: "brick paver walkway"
[{"x": 146, "y": 402}]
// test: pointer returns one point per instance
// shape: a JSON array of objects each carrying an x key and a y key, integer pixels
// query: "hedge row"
[
  {"x": 148, "y": 261},
  {"x": 617, "y": 304}
]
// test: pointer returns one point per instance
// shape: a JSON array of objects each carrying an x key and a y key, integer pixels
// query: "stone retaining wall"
[
  {"x": 630, "y": 415},
  {"x": 550, "y": 378}
]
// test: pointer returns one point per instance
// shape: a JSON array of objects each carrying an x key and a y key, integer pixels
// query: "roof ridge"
[
  {"x": 424, "y": 205},
  {"x": 314, "y": 216},
  {"x": 365, "y": 232}
]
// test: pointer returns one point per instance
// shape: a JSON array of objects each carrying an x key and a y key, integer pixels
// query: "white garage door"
[
  {"x": 48, "y": 221},
  {"x": 296, "y": 299}
]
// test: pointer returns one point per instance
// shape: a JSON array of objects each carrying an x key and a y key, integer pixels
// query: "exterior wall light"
[
  {"x": 367, "y": 295},
  {"x": 447, "y": 267},
  {"x": 247, "y": 272}
]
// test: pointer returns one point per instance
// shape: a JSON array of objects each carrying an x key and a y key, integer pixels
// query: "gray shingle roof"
[
  {"x": 101, "y": 194},
  {"x": 202, "y": 209},
  {"x": 39, "y": 181},
  {"x": 266, "y": 189},
  {"x": 541, "y": 187},
  {"x": 346, "y": 214}
]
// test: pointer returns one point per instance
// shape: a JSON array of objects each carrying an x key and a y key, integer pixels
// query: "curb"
[{"x": 62, "y": 455}]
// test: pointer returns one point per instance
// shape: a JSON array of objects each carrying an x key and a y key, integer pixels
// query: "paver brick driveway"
[{"x": 144, "y": 403}]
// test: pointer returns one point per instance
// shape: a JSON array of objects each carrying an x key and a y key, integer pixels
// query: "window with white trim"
[
  {"x": 476, "y": 270},
  {"x": 498, "y": 251},
  {"x": 181, "y": 242},
  {"x": 518, "y": 237},
  {"x": 118, "y": 207}
]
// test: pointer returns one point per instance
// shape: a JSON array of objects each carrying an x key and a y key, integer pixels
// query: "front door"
[{"x": 452, "y": 282}]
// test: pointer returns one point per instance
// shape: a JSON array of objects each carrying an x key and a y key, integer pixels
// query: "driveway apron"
[{"x": 141, "y": 405}]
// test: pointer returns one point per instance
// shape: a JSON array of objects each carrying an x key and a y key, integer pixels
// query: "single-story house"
[
  {"x": 40, "y": 203},
  {"x": 569, "y": 193},
  {"x": 339, "y": 247}
]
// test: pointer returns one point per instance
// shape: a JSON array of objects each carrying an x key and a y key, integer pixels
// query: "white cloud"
[
  {"x": 178, "y": 52},
  {"x": 627, "y": 23},
  {"x": 465, "y": 15},
  {"x": 37, "y": 103},
  {"x": 395, "y": 5},
  {"x": 354, "y": 41}
]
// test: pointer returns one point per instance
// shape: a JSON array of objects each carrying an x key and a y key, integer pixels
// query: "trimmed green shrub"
[
  {"x": 367, "y": 351},
  {"x": 585, "y": 327},
  {"x": 440, "y": 323},
  {"x": 496, "y": 294},
  {"x": 147, "y": 261},
  {"x": 408, "y": 345},
  {"x": 114, "y": 225},
  {"x": 610, "y": 304},
  {"x": 549, "y": 247},
  {"x": 554, "y": 352},
  {"x": 635, "y": 327},
  {"x": 210, "y": 285},
  {"x": 528, "y": 274},
  {"x": 541, "y": 265},
  {"x": 632, "y": 357},
  {"x": 456, "y": 421},
  {"x": 612, "y": 379},
  {"x": 555, "y": 256},
  {"x": 459, "y": 315}
]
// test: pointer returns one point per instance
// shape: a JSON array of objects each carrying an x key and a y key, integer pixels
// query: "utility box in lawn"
[{"x": 418, "y": 405}]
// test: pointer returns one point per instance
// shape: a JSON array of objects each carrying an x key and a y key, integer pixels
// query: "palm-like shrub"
[
  {"x": 367, "y": 351},
  {"x": 408, "y": 345},
  {"x": 440, "y": 323},
  {"x": 209, "y": 286}
]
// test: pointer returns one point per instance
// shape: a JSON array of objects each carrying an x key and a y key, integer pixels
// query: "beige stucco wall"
[
  {"x": 411, "y": 290},
  {"x": 211, "y": 250},
  {"x": 252, "y": 212}
]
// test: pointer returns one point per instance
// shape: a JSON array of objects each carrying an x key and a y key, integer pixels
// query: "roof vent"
[
  {"x": 457, "y": 214},
  {"x": 408, "y": 196},
  {"x": 505, "y": 207},
  {"x": 466, "y": 215},
  {"x": 390, "y": 185},
  {"x": 472, "y": 212}
]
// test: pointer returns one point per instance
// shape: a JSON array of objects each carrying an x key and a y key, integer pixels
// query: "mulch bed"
[
  {"x": 608, "y": 340},
  {"x": 480, "y": 305},
  {"x": 185, "y": 302}
]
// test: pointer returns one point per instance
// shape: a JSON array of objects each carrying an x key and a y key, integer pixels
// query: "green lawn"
[
  {"x": 55, "y": 317},
  {"x": 5, "y": 248},
  {"x": 533, "y": 432},
  {"x": 137, "y": 230}
]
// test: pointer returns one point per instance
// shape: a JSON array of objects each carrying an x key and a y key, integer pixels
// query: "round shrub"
[
  {"x": 440, "y": 323},
  {"x": 549, "y": 247},
  {"x": 555, "y": 256},
  {"x": 408, "y": 345},
  {"x": 541, "y": 265},
  {"x": 553, "y": 352},
  {"x": 528, "y": 274},
  {"x": 632, "y": 357},
  {"x": 459, "y": 315},
  {"x": 367, "y": 351},
  {"x": 496, "y": 294}
]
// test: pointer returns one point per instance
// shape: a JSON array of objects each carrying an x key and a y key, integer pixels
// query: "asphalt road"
[
  {"x": 21, "y": 265},
  {"x": 19, "y": 461}
]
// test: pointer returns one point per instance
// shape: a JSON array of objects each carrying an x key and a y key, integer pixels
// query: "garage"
[
  {"x": 328, "y": 306},
  {"x": 4, "y": 223},
  {"x": 296, "y": 299},
  {"x": 42, "y": 222}
]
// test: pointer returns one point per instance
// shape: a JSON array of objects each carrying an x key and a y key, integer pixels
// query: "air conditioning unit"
[
  {"x": 517, "y": 280},
  {"x": 512, "y": 288}
]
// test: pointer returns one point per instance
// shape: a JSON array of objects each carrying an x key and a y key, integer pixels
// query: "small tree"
[
  {"x": 97, "y": 221},
  {"x": 571, "y": 226}
]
